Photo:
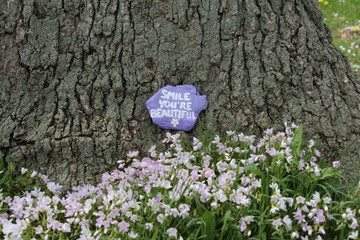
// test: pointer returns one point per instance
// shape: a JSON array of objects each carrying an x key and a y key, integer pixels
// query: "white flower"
[
  {"x": 294, "y": 235},
  {"x": 160, "y": 218},
  {"x": 277, "y": 223},
  {"x": 172, "y": 232},
  {"x": 66, "y": 227},
  {"x": 133, "y": 153},
  {"x": 300, "y": 200},
  {"x": 222, "y": 166},
  {"x": 274, "y": 185},
  {"x": 274, "y": 209},
  {"x": 248, "y": 219},
  {"x": 175, "y": 122},
  {"x": 219, "y": 195},
  {"x": 353, "y": 235},
  {"x": 214, "y": 205},
  {"x": 14, "y": 230},
  {"x": 23, "y": 170},
  {"x": 39, "y": 230},
  {"x": 88, "y": 205},
  {"x": 230, "y": 133},
  {"x": 327, "y": 200},
  {"x": 133, "y": 235},
  {"x": 54, "y": 187},
  {"x": 149, "y": 226}
]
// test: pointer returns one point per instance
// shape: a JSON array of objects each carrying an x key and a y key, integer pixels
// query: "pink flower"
[
  {"x": 242, "y": 226},
  {"x": 272, "y": 152},
  {"x": 299, "y": 216},
  {"x": 239, "y": 198},
  {"x": 336, "y": 164},
  {"x": 39, "y": 230},
  {"x": 208, "y": 172},
  {"x": 319, "y": 216},
  {"x": 354, "y": 224},
  {"x": 301, "y": 165},
  {"x": 184, "y": 210},
  {"x": 158, "y": 198},
  {"x": 277, "y": 223},
  {"x": 245, "y": 181},
  {"x": 222, "y": 166},
  {"x": 268, "y": 131},
  {"x": 287, "y": 222},
  {"x": 123, "y": 226},
  {"x": 248, "y": 219}
]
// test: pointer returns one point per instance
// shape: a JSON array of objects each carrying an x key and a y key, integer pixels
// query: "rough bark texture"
[{"x": 75, "y": 75}]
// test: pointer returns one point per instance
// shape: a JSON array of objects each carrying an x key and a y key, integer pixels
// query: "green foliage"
[
  {"x": 208, "y": 226},
  {"x": 13, "y": 181},
  {"x": 297, "y": 141}
]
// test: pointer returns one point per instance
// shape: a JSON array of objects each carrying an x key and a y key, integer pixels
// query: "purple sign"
[{"x": 176, "y": 108}]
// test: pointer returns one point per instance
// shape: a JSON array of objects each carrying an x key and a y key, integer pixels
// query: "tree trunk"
[{"x": 75, "y": 76}]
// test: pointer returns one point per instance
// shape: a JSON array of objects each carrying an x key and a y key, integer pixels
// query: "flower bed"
[{"x": 231, "y": 188}]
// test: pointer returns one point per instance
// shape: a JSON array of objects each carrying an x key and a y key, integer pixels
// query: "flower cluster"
[
  {"x": 270, "y": 187},
  {"x": 308, "y": 217}
]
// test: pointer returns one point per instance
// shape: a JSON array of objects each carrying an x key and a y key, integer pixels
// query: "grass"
[{"x": 343, "y": 19}]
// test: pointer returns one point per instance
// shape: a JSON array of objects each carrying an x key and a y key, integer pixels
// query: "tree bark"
[{"x": 75, "y": 76}]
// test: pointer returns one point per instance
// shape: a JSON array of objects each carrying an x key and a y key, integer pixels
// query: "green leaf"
[
  {"x": 10, "y": 166},
  {"x": 208, "y": 227},
  {"x": 155, "y": 235},
  {"x": 330, "y": 172},
  {"x": 199, "y": 206},
  {"x": 225, "y": 226},
  {"x": 5, "y": 177},
  {"x": 2, "y": 163},
  {"x": 254, "y": 169},
  {"x": 297, "y": 141},
  {"x": 193, "y": 222}
]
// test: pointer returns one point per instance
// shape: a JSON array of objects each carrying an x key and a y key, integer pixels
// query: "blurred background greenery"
[{"x": 343, "y": 19}]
